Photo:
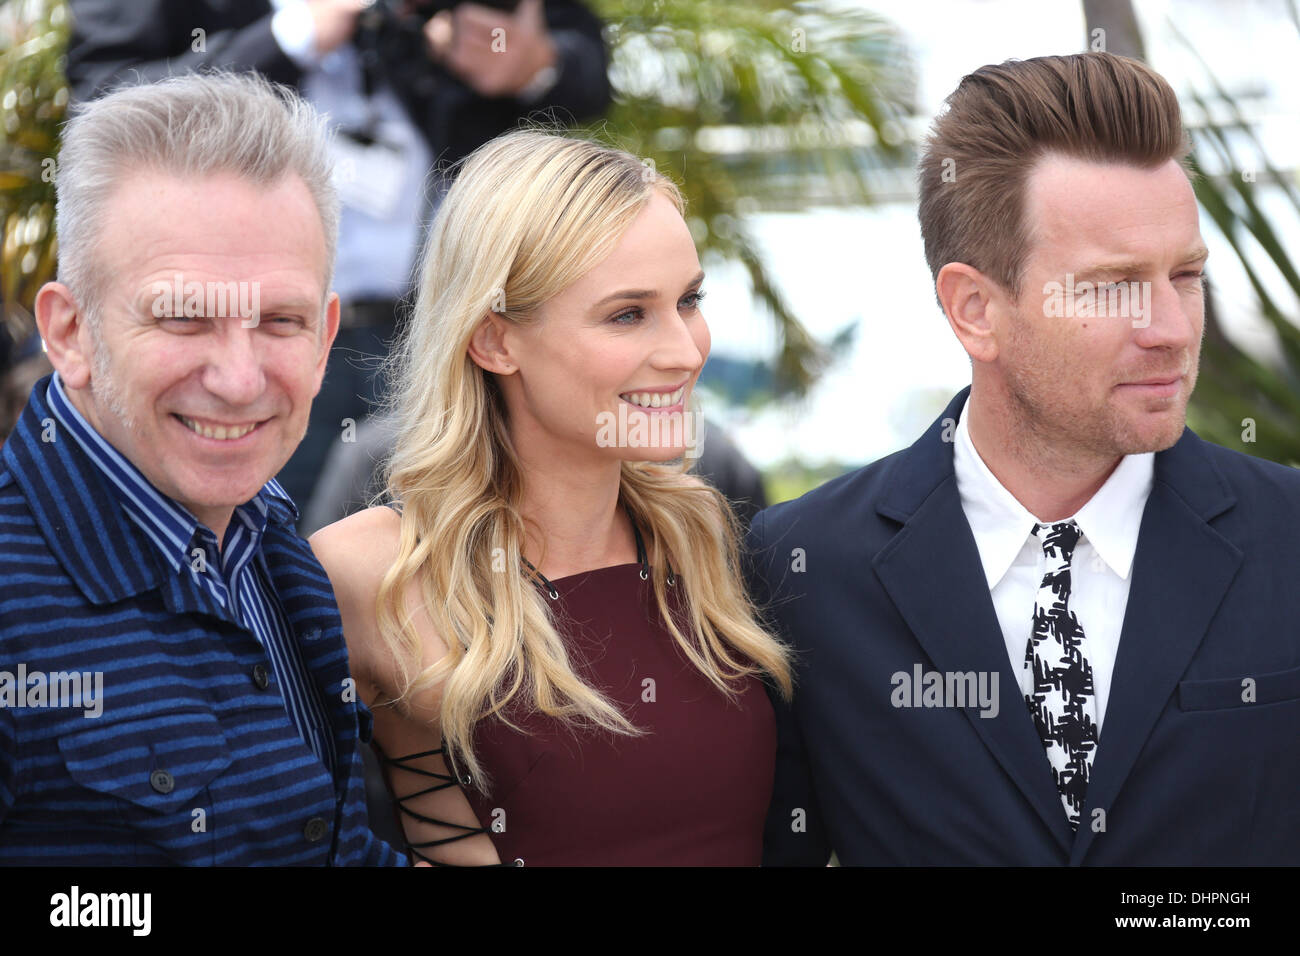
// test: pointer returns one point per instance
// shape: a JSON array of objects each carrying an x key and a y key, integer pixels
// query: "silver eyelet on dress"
[
  {"x": 644, "y": 574},
  {"x": 519, "y": 861},
  {"x": 672, "y": 580},
  {"x": 555, "y": 595},
  {"x": 466, "y": 780}
]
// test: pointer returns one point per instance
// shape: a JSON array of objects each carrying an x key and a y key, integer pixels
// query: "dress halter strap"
[{"x": 641, "y": 559}]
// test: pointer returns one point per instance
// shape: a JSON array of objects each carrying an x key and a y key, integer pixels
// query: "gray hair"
[{"x": 191, "y": 124}]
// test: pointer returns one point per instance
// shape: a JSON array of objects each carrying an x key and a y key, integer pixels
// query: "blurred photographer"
[{"x": 413, "y": 86}]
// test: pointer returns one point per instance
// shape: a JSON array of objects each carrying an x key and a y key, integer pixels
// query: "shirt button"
[
  {"x": 261, "y": 677},
  {"x": 315, "y": 829},
  {"x": 162, "y": 781}
]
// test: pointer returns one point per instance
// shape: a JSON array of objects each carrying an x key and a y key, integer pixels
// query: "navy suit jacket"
[{"x": 877, "y": 571}]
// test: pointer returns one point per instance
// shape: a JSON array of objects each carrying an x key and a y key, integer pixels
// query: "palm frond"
[{"x": 747, "y": 104}]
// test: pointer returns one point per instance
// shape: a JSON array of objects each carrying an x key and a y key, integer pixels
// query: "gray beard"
[{"x": 107, "y": 395}]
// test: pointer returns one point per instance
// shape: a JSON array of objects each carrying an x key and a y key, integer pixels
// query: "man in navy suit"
[{"x": 1060, "y": 628}]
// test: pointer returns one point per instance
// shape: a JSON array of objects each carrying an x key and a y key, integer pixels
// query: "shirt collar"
[
  {"x": 1110, "y": 520},
  {"x": 168, "y": 524}
]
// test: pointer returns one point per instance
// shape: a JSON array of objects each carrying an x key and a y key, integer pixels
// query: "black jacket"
[{"x": 122, "y": 41}]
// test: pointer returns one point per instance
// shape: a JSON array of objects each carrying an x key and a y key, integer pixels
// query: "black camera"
[{"x": 390, "y": 34}]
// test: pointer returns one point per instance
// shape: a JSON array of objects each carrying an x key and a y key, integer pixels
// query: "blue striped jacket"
[{"x": 193, "y": 758}]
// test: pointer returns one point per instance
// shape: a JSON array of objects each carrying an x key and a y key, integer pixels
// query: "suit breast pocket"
[
  {"x": 151, "y": 777},
  {"x": 1248, "y": 690}
]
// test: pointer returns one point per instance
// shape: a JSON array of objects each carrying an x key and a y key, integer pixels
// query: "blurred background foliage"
[
  {"x": 1235, "y": 388},
  {"x": 751, "y": 106},
  {"x": 33, "y": 100}
]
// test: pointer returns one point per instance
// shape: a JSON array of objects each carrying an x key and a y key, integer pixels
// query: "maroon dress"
[{"x": 692, "y": 790}]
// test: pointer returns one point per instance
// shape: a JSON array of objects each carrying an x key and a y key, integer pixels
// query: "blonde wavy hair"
[{"x": 529, "y": 213}]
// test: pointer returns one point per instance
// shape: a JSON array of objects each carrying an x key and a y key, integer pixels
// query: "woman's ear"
[{"x": 488, "y": 347}]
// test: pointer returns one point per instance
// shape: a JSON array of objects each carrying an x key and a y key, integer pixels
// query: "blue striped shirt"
[
  {"x": 186, "y": 753},
  {"x": 234, "y": 575}
]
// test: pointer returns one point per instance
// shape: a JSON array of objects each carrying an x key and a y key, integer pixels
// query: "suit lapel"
[
  {"x": 932, "y": 572},
  {"x": 1181, "y": 571}
]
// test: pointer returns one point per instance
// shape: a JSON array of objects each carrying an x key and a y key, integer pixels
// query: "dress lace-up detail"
[{"x": 445, "y": 780}]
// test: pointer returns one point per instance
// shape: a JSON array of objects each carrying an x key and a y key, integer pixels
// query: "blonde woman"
[{"x": 548, "y": 623}]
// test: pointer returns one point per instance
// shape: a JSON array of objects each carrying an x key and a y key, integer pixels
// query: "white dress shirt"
[
  {"x": 1013, "y": 559},
  {"x": 382, "y": 190}
]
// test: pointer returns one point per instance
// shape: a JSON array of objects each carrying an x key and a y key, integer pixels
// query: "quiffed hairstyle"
[
  {"x": 193, "y": 124},
  {"x": 530, "y": 213},
  {"x": 1002, "y": 119}
]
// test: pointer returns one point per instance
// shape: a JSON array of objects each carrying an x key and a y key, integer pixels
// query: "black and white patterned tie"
[{"x": 1061, "y": 697}]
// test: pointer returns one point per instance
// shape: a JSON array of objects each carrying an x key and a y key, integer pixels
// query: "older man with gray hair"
[{"x": 174, "y": 684}]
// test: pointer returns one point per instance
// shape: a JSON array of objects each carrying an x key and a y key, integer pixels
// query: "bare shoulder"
[
  {"x": 359, "y": 547},
  {"x": 356, "y": 553}
]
